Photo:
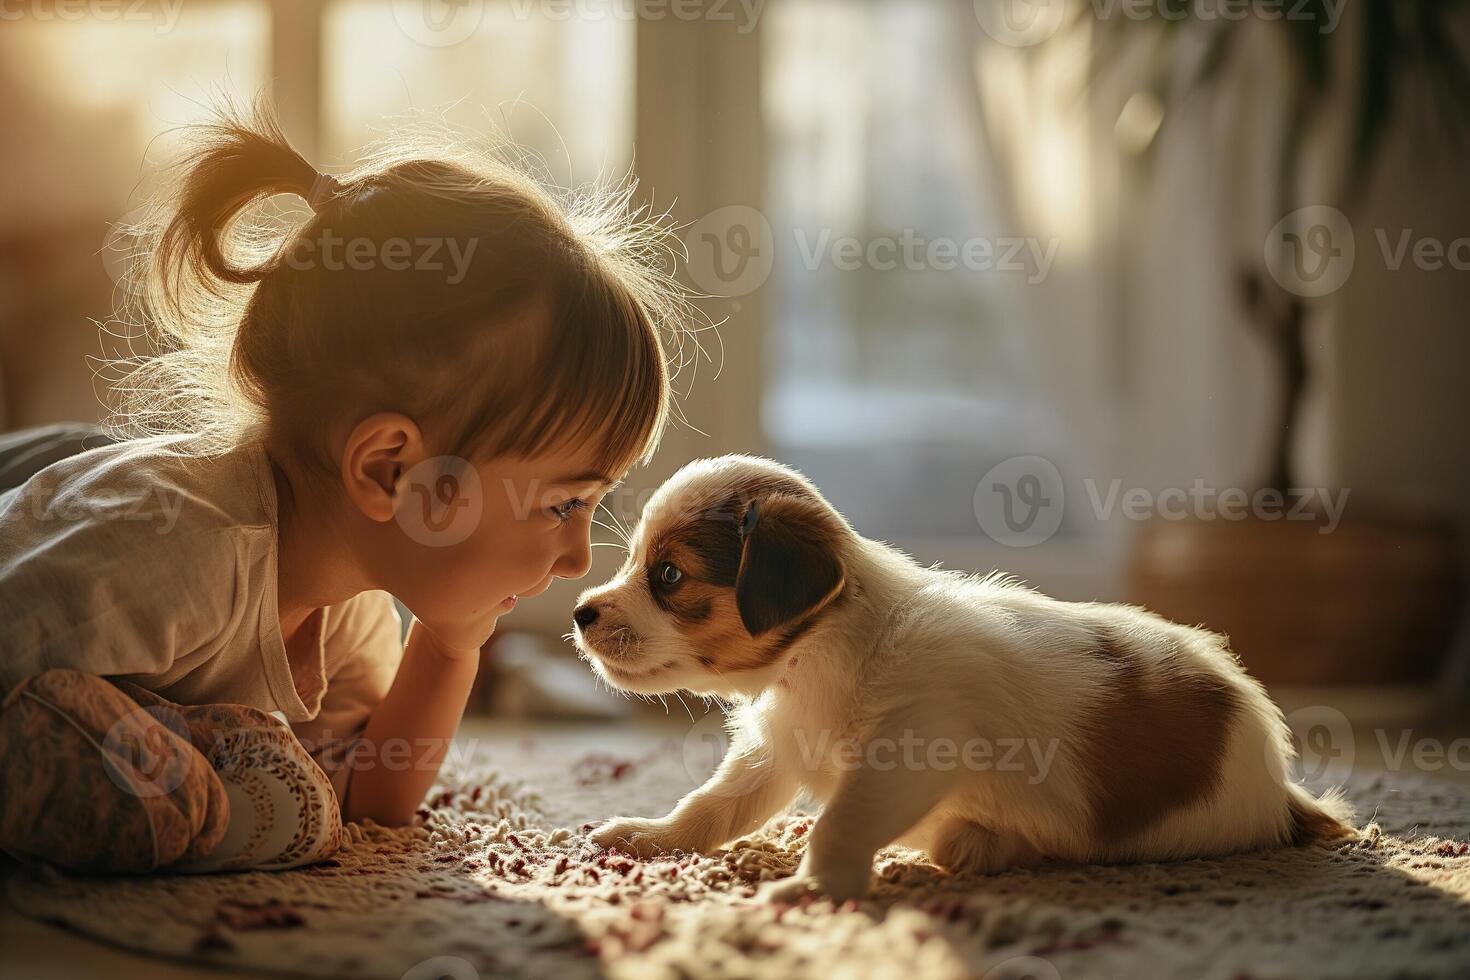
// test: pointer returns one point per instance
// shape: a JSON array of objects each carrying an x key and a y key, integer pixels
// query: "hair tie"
[{"x": 323, "y": 189}]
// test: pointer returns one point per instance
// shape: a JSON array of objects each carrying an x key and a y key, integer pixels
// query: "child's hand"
[
  {"x": 423, "y": 707},
  {"x": 456, "y": 641}
]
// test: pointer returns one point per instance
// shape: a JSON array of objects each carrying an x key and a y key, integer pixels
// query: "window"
[
  {"x": 89, "y": 91},
  {"x": 560, "y": 86},
  {"x": 897, "y": 360},
  {"x": 107, "y": 86}
]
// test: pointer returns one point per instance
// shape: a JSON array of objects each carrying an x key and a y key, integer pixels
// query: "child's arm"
[{"x": 408, "y": 735}]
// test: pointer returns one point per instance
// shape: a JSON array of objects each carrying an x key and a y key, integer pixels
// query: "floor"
[
  {"x": 36, "y": 951},
  {"x": 1382, "y": 735}
]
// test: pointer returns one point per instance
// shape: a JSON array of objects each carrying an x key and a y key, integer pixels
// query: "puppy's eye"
[{"x": 668, "y": 573}]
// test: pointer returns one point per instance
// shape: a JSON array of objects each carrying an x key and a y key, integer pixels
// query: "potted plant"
[{"x": 1374, "y": 601}]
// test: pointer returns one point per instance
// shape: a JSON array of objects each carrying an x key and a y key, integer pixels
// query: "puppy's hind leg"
[{"x": 964, "y": 847}]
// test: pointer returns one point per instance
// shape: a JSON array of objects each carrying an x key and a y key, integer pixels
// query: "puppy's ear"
[{"x": 789, "y": 564}]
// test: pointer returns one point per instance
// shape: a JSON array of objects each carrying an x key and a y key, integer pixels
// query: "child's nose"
[{"x": 576, "y": 562}]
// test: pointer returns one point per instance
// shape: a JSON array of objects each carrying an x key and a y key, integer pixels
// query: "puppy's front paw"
[
  {"x": 638, "y": 836},
  {"x": 837, "y": 886}
]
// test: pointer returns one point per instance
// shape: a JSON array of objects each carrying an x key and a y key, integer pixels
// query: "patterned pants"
[{"x": 101, "y": 775}]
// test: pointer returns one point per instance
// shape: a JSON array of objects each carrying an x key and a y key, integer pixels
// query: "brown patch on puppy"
[
  {"x": 702, "y": 533},
  {"x": 702, "y": 602},
  {"x": 730, "y": 646},
  {"x": 744, "y": 598},
  {"x": 711, "y": 549},
  {"x": 692, "y": 599},
  {"x": 1158, "y": 744},
  {"x": 707, "y": 524}
]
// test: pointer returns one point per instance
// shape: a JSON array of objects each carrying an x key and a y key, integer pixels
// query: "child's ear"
[
  {"x": 379, "y": 451},
  {"x": 789, "y": 562}
]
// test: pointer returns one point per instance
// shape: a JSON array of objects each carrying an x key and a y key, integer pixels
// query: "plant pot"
[{"x": 1372, "y": 602}]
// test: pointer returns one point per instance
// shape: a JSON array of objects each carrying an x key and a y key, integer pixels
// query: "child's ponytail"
[
  {"x": 544, "y": 329},
  {"x": 193, "y": 276},
  {"x": 234, "y": 161}
]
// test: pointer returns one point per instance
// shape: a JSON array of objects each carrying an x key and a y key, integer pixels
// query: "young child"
[{"x": 423, "y": 392}]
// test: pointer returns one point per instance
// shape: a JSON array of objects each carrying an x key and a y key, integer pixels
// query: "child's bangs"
[{"x": 599, "y": 388}]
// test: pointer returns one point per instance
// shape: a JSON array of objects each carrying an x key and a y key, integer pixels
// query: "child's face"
[{"x": 476, "y": 537}]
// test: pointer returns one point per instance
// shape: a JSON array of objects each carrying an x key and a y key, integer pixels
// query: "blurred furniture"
[{"x": 1372, "y": 602}]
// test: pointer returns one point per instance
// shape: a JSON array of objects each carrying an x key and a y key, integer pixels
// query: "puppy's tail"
[{"x": 1324, "y": 820}]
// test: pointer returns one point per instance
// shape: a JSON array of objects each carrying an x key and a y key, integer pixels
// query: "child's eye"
[{"x": 564, "y": 512}]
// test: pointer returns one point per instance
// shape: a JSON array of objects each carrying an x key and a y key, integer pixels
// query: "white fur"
[{"x": 944, "y": 658}]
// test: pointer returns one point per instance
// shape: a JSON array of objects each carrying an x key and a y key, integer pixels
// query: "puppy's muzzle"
[{"x": 599, "y": 633}]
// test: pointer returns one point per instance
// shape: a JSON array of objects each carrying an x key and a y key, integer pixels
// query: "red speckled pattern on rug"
[{"x": 500, "y": 881}]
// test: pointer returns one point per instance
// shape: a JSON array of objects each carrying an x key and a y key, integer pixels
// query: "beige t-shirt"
[{"x": 136, "y": 561}]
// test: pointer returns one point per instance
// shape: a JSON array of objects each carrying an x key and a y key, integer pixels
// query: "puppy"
[{"x": 963, "y": 715}]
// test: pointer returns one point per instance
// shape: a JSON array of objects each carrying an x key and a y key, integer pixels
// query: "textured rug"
[{"x": 500, "y": 881}]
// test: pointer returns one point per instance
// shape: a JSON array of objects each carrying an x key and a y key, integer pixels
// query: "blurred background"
[{"x": 1161, "y": 302}]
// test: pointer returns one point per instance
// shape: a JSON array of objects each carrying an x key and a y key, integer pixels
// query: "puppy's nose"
[{"x": 585, "y": 616}]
